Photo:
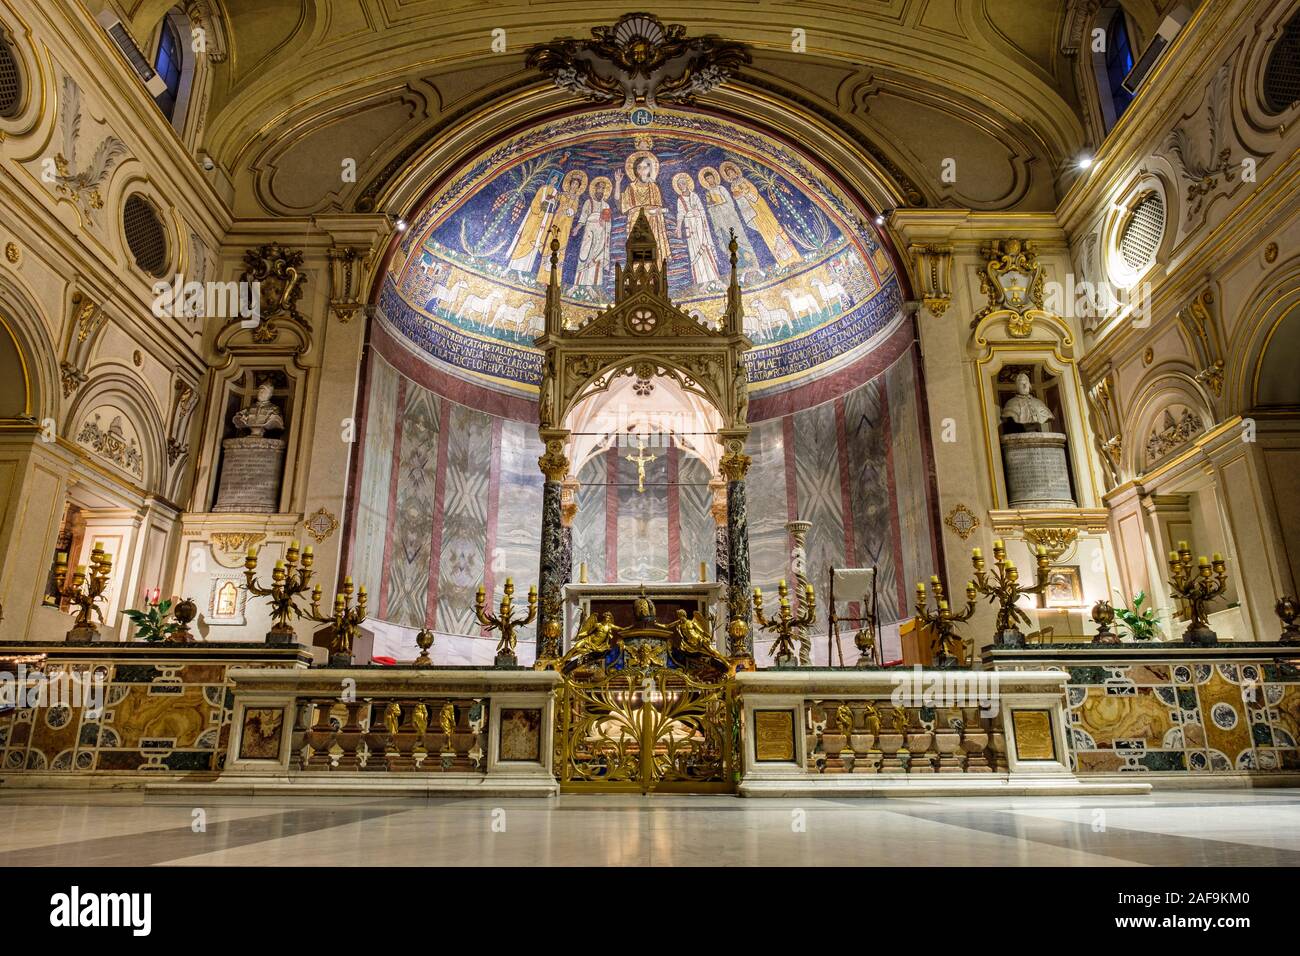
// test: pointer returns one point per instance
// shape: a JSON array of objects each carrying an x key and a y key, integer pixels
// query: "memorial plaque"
[
  {"x": 1033, "y": 733},
  {"x": 250, "y": 474},
  {"x": 774, "y": 736},
  {"x": 1036, "y": 470}
]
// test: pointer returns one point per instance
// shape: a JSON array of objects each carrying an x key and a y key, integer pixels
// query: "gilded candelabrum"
[
  {"x": 1003, "y": 588},
  {"x": 505, "y": 621},
  {"x": 290, "y": 577},
  {"x": 1196, "y": 585},
  {"x": 346, "y": 619},
  {"x": 85, "y": 592},
  {"x": 786, "y": 625},
  {"x": 949, "y": 649}
]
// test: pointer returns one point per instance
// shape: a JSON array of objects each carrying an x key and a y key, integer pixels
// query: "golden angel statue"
[{"x": 595, "y": 636}]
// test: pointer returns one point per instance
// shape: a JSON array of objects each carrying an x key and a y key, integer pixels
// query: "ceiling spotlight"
[
  {"x": 1084, "y": 161},
  {"x": 400, "y": 224},
  {"x": 880, "y": 219}
]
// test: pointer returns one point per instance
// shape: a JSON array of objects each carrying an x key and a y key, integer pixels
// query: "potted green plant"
[
  {"x": 151, "y": 624},
  {"x": 1141, "y": 624}
]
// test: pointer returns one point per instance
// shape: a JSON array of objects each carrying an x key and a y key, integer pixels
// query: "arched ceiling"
[{"x": 312, "y": 83}]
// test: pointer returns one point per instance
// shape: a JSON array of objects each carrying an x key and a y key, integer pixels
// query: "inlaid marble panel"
[
  {"x": 694, "y": 517},
  {"x": 589, "y": 523},
  {"x": 869, "y": 478},
  {"x": 519, "y": 511},
  {"x": 1186, "y": 716},
  {"x": 376, "y": 474},
  {"x": 819, "y": 490},
  {"x": 464, "y": 527},
  {"x": 769, "y": 556},
  {"x": 410, "y": 553},
  {"x": 642, "y": 518}
]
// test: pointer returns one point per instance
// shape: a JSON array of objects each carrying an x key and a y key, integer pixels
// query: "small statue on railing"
[
  {"x": 346, "y": 619},
  {"x": 505, "y": 621},
  {"x": 786, "y": 625},
  {"x": 288, "y": 580},
  {"x": 85, "y": 592},
  {"x": 949, "y": 648},
  {"x": 1197, "y": 585},
  {"x": 1003, "y": 587}
]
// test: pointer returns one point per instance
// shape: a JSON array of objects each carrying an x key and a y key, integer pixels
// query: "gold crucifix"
[{"x": 641, "y": 461}]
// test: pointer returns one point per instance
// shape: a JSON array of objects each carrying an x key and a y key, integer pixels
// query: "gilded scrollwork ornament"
[{"x": 1013, "y": 279}]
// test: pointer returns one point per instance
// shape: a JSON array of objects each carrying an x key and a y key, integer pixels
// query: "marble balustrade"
[
  {"x": 815, "y": 730},
  {"x": 404, "y": 728}
]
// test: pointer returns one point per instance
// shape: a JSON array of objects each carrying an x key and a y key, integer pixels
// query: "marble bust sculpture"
[
  {"x": 261, "y": 416},
  {"x": 1024, "y": 409}
]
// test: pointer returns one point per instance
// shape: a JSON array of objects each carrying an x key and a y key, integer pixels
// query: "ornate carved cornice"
[{"x": 639, "y": 60}]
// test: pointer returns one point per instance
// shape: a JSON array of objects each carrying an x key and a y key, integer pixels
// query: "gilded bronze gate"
[{"x": 644, "y": 709}]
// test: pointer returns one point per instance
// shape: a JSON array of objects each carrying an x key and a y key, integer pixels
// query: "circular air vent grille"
[
  {"x": 1140, "y": 236},
  {"x": 11, "y": 84},
  {"x": 145, "y": 235},
  {"x": 1282, "y": 71}
]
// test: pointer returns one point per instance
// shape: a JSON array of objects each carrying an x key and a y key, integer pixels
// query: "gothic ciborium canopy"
[
  {"x": 640, "y": 60},
  {"x": 643, "y": 334}
]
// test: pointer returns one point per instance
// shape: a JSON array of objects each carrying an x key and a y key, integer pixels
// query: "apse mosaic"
[{"x": 468, "y": 287}]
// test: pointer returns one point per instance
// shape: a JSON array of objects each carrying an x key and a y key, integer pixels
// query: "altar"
[{"x": 706, "y": 598}]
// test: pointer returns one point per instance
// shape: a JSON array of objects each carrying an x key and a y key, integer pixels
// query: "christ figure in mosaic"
[{"x": 642, "y": 196}]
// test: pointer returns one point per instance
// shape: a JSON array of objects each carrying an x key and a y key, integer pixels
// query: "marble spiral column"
[
  {"x": 553, "y": 566},
  {"x": 718, "y": 508},
  {"x": 734, "y": 466}
]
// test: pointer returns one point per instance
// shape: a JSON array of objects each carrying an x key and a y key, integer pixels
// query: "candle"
[
  {"x": 347, "y": 580},
  {"x": 704, "y": 571},
  {"x": 81, "y": 569},
  {"x": 1182, "y": 546},
  {"x": 997, "y": 545},
  {"x": 307, "y": 550},
  {"x": 934, "y": 579},
  {"x": 976, "y": 553},
  {"x": 1042, "y": 549},
  {"x": 781, "y": 583},
  {"x": 279, "y": 565},
  {"x": 1173, "y": 557},
  {"x": 293, "y": 545},
  {"x": 61, "y": 557},
  {"x": 99, "y": 546},
  {"x": 362, "y": 590},
  {"x": 252, "y": 550},
  {"x": 1218, "y": 558},
  {"x": 943, "y": 605},
  {"x": 582, "y": 573},
  {"x": 1203, "y": 561}
]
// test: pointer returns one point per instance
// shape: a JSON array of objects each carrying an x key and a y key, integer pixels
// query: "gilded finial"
[{"x": 732, "y": 247}]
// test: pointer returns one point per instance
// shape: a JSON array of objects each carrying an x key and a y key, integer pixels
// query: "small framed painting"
[{"x": 1064, "y": 587}]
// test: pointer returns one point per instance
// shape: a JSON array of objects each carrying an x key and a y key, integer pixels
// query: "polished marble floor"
[{"x": 1171, "y": 828}]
